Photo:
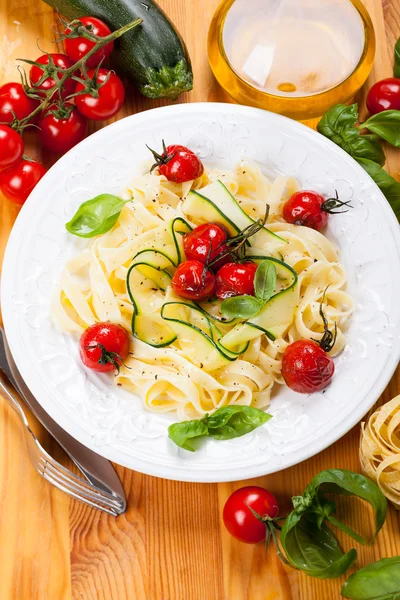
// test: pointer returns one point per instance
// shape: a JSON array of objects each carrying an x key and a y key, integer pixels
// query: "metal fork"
[{"x": 58, "y": 475}]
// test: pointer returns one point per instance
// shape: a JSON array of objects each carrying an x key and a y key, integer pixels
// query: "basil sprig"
[
  {"x": 378, "y": 581},
  {"x": 308, "y": 543},
  {"x": 96, "y": 216},
  {"x": 385, "y": 182},
  {"x": 246, "y": 307},
  {"x": 386, "y": 125},
  {"x": 226, "y": 423}
]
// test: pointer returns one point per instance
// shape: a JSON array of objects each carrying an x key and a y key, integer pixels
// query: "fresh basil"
[
  {"x": 265, "y": 280},
  {"x": 307, "y": 541},
  {"x": 396, "y": 68},
  {"x": 385, "y": 182},
  {"x": 386, "y": 125},
  {"x": 226, "y": 423},
  {"x": 338, "y": 124},
  {"x": 242, "y": 307},
  {"x": 378, "y": 581},
  {"x": 96, "y": 216}
]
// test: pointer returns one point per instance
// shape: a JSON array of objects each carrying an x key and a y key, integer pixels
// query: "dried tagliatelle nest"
[{"x": 380, "y": 449}]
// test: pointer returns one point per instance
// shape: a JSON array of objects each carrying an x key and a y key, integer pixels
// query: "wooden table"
[{"x": 171, "y": 544}]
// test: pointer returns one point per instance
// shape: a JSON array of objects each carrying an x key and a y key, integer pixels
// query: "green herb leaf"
[
  {"x": 96, "y": 216},
  {"x": 386, "y": 124},
  {"x": 181, "y": 433},
  {"x": 242, "y": 307},
  {"x": 265, "y": 280},
  {"x": 378, "y": 581},
  {"x": 338, "y": 124},
  {"x": 396, "y": 69},
  {"x": 386, "y": 183},
  {"x": 234, "y": 421}
]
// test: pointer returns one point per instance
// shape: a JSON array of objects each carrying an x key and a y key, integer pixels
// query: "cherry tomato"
[
  {"x": 107, "y": 100},
  {"x": 193, "y": 281},
  {"x": 235, "y": 279},
  {"x": 11, "y": 147},
  {"x": 36, "y": 73},
  {"x": 14, "y": 100},
  {"x": 205, "y": 243},
  {"x": 241, "y": 522},
  {"x": 62, "y": 133},
  {"x": 179, "y": 164},
  {"x": 104, "y": 346},
  {"x": 384, "y": 95},
  {"x": 306, "y": 208},
  {"x": 306, "y": 367},
  {"x": 77, "y": 48},
  {"x": 17, "y": 182}
]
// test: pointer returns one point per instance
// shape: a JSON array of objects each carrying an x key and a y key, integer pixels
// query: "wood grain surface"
[{"x": 171, "y": 544}]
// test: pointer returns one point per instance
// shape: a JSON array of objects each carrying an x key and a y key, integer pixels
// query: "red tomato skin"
[
  {"x": 306, "y": 367},
  {"x": 235, "y": 279},
  {"x": 304, "y": 208},
  {"x": 110, "y": 100},
  {"x": 384, "y": 95},
  {"x": 17, "y": 182},
  {"x": 78, "y": 48},
  {"x": 14, "y": 99},
  {"x": 198, "y": 242},
  {"x": 187, "y": 281},
  {"x": 60, "y": 135},
  {"x": 184, "y": 165},
  {"x": 11, "y": 147},
  {"x": 114, "y": 338},
  {"x": 240, "y": 521},
  {"x": 35, "y": 73}
]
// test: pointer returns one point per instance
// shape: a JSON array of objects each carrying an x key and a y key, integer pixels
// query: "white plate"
[{"x": 113, "y": 422}]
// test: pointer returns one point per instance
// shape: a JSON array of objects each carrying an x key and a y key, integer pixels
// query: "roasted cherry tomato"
[
  {"x": 241, "y": 522},
  {"x": 17, "y": 182},
  {"x": 61, "y": 133},
  {"x": 107, "y": 99},
  {"x": 192, "y": 280},
  {"x": 306, "y": 367},
  {"x": 306, "y": 208},
  {"x": 205, "y": 243},
  {"x": 235, "y": 279},
  {"x": 15, "y": 103},
  {"x": 104, "y": 347},
  {"x": 48, "y": 61},
  {"x": 384, "y": 95},
  {"x": 77, "y": 48},
  {"x": 11, "y": 147},
  {"x": 178, "y": 163}
]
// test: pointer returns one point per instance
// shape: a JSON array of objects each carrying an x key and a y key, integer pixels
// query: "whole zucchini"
[{"x": 153, "y": 55}]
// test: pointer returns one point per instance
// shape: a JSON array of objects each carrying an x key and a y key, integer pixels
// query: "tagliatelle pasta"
[{"x": 93, "y": 287}]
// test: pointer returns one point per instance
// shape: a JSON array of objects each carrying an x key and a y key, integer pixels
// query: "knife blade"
[{"x": 97, "y": 470}]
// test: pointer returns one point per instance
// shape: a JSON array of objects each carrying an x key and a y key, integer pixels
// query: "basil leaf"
[
  {"x": 338, "y": 124},
  {"x": 96, "y": 216},
  {"x": 396, "y": 69},
  {"x": 265, "y": 280},
  {"x": 378, "y": 581},
  {"x": 386, "y": 183},
  {"x": 181, "y": 433},
  {"x": 234, "y": 421},
  {"x": 386, "y": 124},
  {"x": 243, "y": 307}
]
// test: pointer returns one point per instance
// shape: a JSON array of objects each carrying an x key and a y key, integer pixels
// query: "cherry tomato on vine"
[
  {"x": 306, "y": 367},
  {"x": 14, "y": 102},
  {"x": 77, "y": 48},
  {"x": 384, "y": 95},
  {"x": 18, "y": 181},
  {"x": 108, "y": 98},
  {"x": 178, "y": 163},
  {"x": 241, "y": 522},
  {"x": 235, "y": 279},
  {"x": 192, "y": 280},
  {"x": 103, "y": 347},
  {"x": 49, "y": 62},
  {"x": 205, "y": 243},
  {"x": 11, "y": 147},
  {"x": 61, "y": 130},
  {"x": 306, "y": 208}
]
